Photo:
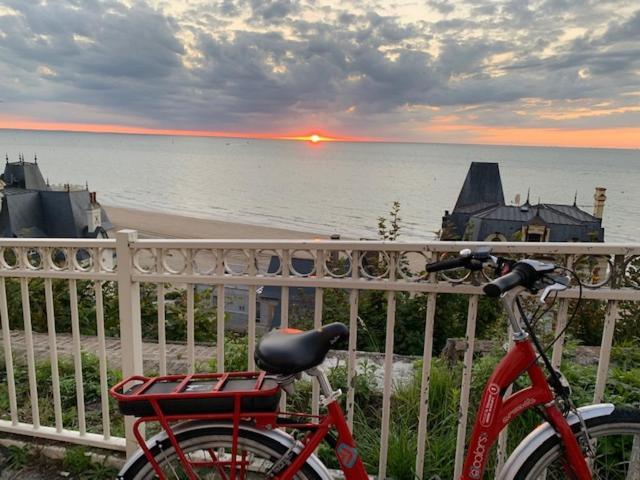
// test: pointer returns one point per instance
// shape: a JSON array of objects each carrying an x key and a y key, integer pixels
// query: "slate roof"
[
  {"x": 23, "y": 175},
  {"x": 517, "y": 214},
  {"x": 40, "y": 211},
  {"x": 482, "y": 185},
  {"x": 480, "y": 212}
]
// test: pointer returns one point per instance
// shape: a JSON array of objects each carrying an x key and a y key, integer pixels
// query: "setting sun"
[{"x": 314, "y": 138}]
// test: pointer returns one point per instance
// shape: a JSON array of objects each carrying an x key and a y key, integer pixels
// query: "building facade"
[
  {"x": 481, "y": 214},
  {"x": 32, "y": 208}
]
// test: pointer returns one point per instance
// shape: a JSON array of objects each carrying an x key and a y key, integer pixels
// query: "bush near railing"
[
  {"x": 624, "y": 383},
  {"x": 450, "y": 320}
]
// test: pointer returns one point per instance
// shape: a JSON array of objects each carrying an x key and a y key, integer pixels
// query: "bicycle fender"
[
  {"x": 279, "y": 436},
  {"x": 542, "y": 433}
]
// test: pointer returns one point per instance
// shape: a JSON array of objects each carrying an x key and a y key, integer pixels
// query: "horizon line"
[{"x": 325, "y": 137}]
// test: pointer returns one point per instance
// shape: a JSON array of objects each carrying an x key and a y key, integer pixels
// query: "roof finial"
[
  {"x": 86, "y": 185},
  {"x": 528, "y": 193},
  {"x": 575, "y": 199},
  {"x": 48, "y": 182},
  {"x": 35, "y": 158},
  {"x": 6, "y": 157}
]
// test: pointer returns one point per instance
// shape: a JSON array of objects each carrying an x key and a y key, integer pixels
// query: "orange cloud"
[{"x": 531, "y": 136}]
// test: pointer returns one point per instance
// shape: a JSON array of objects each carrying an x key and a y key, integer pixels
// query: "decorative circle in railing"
[
  {"x": 145, "y": 260},
  {"x": 9, "y": 258},
  {"x": 411, "y": 266},
  {"x": 268, "y": 263},
  {"x": 489, "y": 273},
  {"x": 457, "y": 275},
  {"x": 302, "y": 263},
  {"x": 632, "y": 272},
  {"x": 107, "y": 259},
  {"x": 337, "y": 263},
  {"x": 32, "y": 259},
  {"x": 594, "y": 271},
  {"x": 236, "y": 262},
  {"x": 59, "y": 258},
  {"x": 174, "y": 261},
  {"x": 373, "y": 264},
  {"x": 205, "y": 262},
  {"x": 83, "y": 259}
]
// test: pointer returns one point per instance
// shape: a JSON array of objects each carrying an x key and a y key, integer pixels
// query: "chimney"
[
  {"x": 94, "y": 213},
  {"x": 598, "y": 202}
]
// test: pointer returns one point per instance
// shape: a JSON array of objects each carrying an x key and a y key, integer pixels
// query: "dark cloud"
[{"x": 235, "y": 64}]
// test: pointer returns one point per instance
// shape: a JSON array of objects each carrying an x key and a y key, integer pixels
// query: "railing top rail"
[
  {"x": 559, "y": 248},
  {"x": 58, "y": 242}
]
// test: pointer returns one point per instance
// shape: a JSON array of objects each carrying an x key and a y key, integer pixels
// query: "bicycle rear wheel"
[
  {"x": 617, "y": 450},
  {"x": 256, "y": 456}
]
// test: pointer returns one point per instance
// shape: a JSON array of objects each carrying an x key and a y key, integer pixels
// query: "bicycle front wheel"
[
  {"x": 616, "y": 439},
  {"x": 256, "y": 457}
]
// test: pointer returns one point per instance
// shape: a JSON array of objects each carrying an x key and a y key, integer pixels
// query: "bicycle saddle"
[{"x": 287, "y": 351}]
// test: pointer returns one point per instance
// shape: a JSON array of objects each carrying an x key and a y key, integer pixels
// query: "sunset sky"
[{"x": 542, "y": 72}]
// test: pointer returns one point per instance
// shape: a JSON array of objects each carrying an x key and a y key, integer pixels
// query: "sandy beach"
[{"x": 165, "y": 225}]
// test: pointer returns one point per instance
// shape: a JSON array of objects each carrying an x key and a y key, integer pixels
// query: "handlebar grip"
[
  {"x": 447, "y": 264},
  {"x": 522, "y": 274}
]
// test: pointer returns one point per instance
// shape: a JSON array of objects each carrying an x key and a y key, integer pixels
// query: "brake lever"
[{"x": 559, "y": 284}]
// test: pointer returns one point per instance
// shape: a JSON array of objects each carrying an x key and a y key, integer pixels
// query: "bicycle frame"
[
  {"x": 316, "y": 428},
  {"x": 496, "y": 412}
]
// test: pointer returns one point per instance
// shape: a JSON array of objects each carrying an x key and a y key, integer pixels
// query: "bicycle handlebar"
[
  {"x": 524, "y": 273},
  {"x": 521, "y": 274},
  {"x": 447, "y": 264}
]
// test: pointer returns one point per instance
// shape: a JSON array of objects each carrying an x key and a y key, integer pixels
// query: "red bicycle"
[{"x": 229, "y": 426}]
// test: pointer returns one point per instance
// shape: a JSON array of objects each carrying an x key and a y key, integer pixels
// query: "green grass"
[{"x": 623, "y": 388}]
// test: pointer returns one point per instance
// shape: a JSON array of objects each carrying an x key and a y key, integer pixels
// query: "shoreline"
[{"x": 167, "y": 225}]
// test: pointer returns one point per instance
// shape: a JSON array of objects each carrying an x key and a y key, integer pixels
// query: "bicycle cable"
[{"x": 575, "y": 310}]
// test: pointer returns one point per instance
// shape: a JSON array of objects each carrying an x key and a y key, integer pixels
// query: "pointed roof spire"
[
  {"x": 528, "y": 194},
  {"x": 48, "y": 182},
  {"x": 35, "y": 158},
  {"x": 86, "y": 185},
  {"x": 6, "y": 157}
]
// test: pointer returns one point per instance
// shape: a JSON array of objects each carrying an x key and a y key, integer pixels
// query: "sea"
[{"x": 330, "y": 187}]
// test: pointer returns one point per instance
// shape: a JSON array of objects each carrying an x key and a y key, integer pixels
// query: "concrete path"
[{"x": 176, "y": 353}]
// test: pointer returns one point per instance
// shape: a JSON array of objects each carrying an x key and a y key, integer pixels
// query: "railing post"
[{"x": 130, "y": 324}]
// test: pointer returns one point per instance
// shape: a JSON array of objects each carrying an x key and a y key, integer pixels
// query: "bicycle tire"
[
  {"x": 544, "y": 462},
  {"x": 211, "y": 437}
]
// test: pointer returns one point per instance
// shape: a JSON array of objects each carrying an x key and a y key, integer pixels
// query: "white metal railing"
[{"x": 130, "y": 261}]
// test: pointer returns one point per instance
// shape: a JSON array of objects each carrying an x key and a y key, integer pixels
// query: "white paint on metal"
[
  {"x": 465, "y": 389},
  {"x": 424, "y": 383},
  {"x": 220, "y": 329},
  {"x": 8, "y": 355},
  {"x": 77, "y": 356},
  {"x": 388, "y": 367},
  {"x": 610, "y": 318},
  {"x": 191, "y": 328},
  {"x": 102, "y": 357},
  {"x": 162, "y": 329},
  {"x": 53, "y": 354},
  {"x": 31, "y": 362},
  {"x": 130, "y": 323}
]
